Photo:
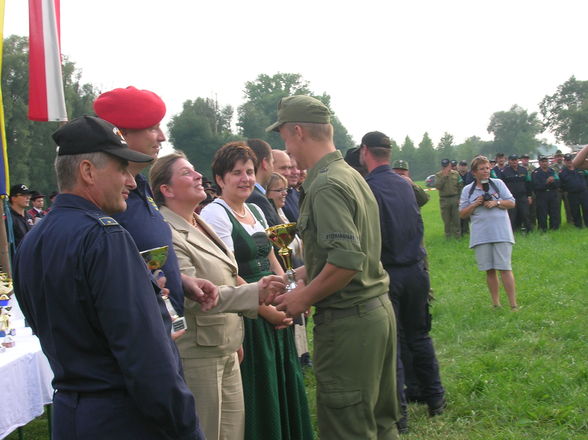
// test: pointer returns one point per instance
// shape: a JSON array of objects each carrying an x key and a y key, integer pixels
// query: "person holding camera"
[{"x": 486, "y": 201}]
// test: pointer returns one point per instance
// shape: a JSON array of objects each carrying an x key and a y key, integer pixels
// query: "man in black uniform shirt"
[
  {"x": 90, "y": 299},
  {"x": 22, "y": 222},
  {"x": 518, "y": 181},
  {"x": 573, "y": 182},
  {"x": 403, "y": 257},
  {"x": 545, "y": 184}
]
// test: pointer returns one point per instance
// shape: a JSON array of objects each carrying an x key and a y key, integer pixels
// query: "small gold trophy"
[
  {"x": 155, "y": 259},
  {"x": 281, "y": 236}
]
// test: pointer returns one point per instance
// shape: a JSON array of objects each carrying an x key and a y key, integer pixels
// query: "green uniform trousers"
[
  {"x": 450, "y": 216},
  {"x": 355, "y": 368}
]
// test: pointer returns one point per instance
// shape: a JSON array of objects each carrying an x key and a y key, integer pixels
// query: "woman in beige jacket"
[{"x": 210, "y": 347}]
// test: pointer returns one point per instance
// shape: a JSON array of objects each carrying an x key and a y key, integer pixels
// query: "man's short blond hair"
[{"x": 317, "y": 132}]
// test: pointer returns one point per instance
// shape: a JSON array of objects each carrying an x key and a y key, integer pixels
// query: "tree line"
[{"x": 203, "y": 124}]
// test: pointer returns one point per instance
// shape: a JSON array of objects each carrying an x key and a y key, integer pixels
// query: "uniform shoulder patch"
[{"x": 107, "y": 221}]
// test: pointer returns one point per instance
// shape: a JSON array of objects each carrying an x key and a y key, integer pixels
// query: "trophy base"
[{"x": 179, "y": 324}]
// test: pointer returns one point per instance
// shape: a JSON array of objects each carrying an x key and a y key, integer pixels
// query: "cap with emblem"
[
  {"x": 130, "y": 108},
  {"x": 19, "y": 188},
  {"x": 525, "y": 156},
  {"x": 568, "y": 156},
  {"x": 300, "y": 108},
  {"x": 445, "y": 162},
  {"x": 513, "y": 157},
  {"x": 541, "y": 157},
  {"x": 463, "y": 163},
  {"x": 375, "y": 139},
  {"x": 400, "y": 165},
  {"x": 558, "y": 153},
  {"x": 89, "y": 134},
  {"x": 454, "y": 162}
]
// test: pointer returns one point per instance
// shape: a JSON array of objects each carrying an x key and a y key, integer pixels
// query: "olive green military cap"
[
  {"x": 400, "y": 164},
  {"x": 300, "y": 108}
]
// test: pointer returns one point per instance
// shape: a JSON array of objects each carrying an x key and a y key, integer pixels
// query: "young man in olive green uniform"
[
  {"x": 355, "y": 330},
  {"x": 449, "y": 184}
]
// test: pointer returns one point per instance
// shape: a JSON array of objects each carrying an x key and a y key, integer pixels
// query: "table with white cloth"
[{"x": 25, "y": 378}]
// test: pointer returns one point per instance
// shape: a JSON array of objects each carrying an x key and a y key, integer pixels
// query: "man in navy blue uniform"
[
  {"x": 573, "y": 182},
  {"x": 518, "y": 182},
  {"x": 403, "y": 257},
  {"x": 90, "y": 299},
  {"x": 545, "y": 184},
  {"x": 138, "y": 114}
]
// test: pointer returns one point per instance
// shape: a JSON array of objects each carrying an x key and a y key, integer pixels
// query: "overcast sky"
[{"x": 404, "y": 69}]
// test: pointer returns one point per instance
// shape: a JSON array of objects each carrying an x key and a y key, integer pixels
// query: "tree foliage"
[
  {"x": 424, "y": 163},
  {"x": 200, "y": 129},
  {"x": 515, "y": 131},
  {"x": 565, "y": 113},
  {"x": 31, "y": 151},
  {"x": 446, "y": 148},
  {"x": 261, "y": 107}
]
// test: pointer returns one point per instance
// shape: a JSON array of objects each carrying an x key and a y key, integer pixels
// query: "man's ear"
[{"x": 87, "y": 171}]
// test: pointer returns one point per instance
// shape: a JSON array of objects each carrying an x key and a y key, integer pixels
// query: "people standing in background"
[
  {"x": 545, "y": 183},
  {"x": 573, "y": 182},
  {"x": 518, "y": 182},
  {"x": 264, "y": 167},
  {"x": 500, "y": 164},
  {"x": 22, "y": 222},
  {"x": 449, "y": 184},
  {"x": 37, "y": 204},
  {"x": 400, "y": 167}
]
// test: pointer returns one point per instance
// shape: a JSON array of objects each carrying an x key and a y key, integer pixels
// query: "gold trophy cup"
[
  {"x": 155, "y": 259},
  {"x": 281, "y": 236}
]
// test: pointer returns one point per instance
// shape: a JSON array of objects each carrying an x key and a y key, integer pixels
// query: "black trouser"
[
  {"x": 548, "y": 203},
  {"x": 417, "y": 366},
  {"x": 579, "y": 207},
  {"x": 519, "y": 215}
]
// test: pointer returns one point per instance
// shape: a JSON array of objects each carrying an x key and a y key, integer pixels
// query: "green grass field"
[{"x": 508, "y": 375}]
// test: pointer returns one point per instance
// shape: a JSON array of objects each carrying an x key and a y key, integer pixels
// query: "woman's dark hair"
[{"x": 228, "y": 155}]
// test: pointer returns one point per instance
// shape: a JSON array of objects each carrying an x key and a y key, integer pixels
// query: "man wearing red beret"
[{"x": 138, "y": 113}]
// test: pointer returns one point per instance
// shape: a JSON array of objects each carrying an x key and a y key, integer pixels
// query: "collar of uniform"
[
  {"x": 260, "y": 188},
  {"x": 378, "y": 170},
  {"x": 73, "y": 201},
  {"x": 324, "y": 163}
]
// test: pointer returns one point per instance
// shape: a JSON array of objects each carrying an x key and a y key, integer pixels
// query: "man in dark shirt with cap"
[
  {"x": 573, "y": 182},
  {"x": 20, "y": 219},
  {"x": 90, "y": 299},
  {"x": 138, "y": 114},
  {"x": 545, "y": 183},
  {"x": 403, "y": 257},
  {"x": 518, "y": 181}
]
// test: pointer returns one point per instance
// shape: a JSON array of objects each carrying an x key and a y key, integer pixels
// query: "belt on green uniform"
[{"x": 330, "y": 313}]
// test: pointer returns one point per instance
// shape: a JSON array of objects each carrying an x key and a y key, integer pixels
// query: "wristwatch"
[{"x": 498, "y": 203}]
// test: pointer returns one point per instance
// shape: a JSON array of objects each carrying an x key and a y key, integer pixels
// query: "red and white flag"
[{"x": 46, "y": 98}]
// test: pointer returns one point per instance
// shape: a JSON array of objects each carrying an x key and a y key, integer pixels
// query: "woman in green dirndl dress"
[{"x": 276, "y": 406}]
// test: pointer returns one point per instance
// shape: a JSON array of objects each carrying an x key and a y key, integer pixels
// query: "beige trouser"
[{"x": 216, "y": 384}]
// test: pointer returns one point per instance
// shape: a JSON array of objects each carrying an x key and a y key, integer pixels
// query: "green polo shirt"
[{"x": 339, "y": 224}]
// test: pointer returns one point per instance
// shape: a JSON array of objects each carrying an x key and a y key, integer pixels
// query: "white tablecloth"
[{"x": 25, "y": 380}]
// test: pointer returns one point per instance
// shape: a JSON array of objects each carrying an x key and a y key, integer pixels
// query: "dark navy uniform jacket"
[
  {"x": 90, "y": 299},
  {"x": 149, "y": 230},
  {"x": 400, "y": 219},
  {"x": 517, "y": 181},
  {"x": 270, "y": 213},
  {"x": 539, "y": 178},
  {"x": 573, "y": 181}
]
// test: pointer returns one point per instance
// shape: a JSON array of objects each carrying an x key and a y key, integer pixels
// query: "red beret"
[{"x": 130, "y": 108}]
